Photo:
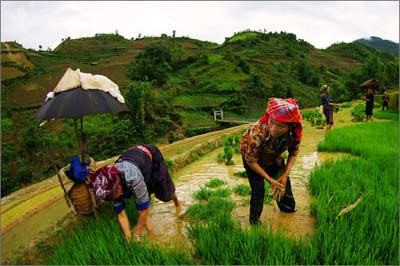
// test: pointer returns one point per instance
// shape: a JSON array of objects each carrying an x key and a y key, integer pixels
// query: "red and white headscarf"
[{"x": 285, "y": 111}]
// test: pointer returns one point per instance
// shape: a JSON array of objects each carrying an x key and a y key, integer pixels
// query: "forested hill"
[
  {"x": 171, "y": 85},
  {"x": 381, "y": 44}
]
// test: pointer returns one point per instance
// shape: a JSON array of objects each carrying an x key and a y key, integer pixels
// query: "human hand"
[
  {"x": 275, "y": 183},
  {"x": 277, "y": 189},
  {"x": 283, "y": 180},
  {"x": 137, "y": 232}
]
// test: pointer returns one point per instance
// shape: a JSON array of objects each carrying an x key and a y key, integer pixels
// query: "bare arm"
[
  {"x": 124, "y": 223},
  {"x": 258, "y": 169},
  {"x": 290, "y": 162},
  {"x": 141, "y": 222}
]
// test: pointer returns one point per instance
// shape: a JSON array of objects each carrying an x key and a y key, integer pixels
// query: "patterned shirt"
[
  {"x": 258, "y": 146},
  {"x": 134, "y": 181}
]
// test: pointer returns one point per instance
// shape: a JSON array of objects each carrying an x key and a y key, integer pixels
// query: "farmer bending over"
[
  {"x": 140, "y": 171},
  {"x": 261, "y": 147}
]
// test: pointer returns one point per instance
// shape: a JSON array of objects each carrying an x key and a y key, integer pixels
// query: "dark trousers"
[
  {"x": 385, "y": 104},
  {"x": 285, "y": 204}
]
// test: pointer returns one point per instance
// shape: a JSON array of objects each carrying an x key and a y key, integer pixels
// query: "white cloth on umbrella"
[{"x": 74, "y": 79}]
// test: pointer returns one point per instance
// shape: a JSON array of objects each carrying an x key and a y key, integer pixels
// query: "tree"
[
  {"x": 306, "y": 74},
  {"x": 173, "y": 33},
  {"x": 40, "y": 47},
  {"x": 289, "y": 92},
  {"x": 373, "y": 67},
  {"x": 153, "y": 64},
  {"x": 153, "y": 114},
  {"x": 255, "y": 87}
]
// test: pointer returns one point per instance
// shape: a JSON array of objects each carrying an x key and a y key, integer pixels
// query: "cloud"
[{"x": 320, "y": 23}]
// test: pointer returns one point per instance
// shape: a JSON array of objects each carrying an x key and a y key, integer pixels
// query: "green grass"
[
  {"x": 197, "y": 119},
  {"x": 199, "y": 101},
  {"x": 215, "y": 182},
  {"x": 244, "y": 36}
]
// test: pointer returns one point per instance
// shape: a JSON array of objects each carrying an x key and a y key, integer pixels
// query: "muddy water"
[{"x": 170, "y": 228}]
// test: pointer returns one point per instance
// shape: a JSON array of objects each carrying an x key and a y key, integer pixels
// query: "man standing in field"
[{"x": 262, "y": 145}]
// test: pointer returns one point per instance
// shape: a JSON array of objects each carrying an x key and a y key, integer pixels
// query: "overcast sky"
[{"x": 319, "y": 23}]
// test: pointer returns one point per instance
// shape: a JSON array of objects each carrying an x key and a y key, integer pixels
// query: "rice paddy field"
[{"x": 354, "y": 201}]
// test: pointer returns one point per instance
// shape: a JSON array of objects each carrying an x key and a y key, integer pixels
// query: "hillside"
[
  {"x": 238, "y": 76},
  {"x": 381, "y": 44}
]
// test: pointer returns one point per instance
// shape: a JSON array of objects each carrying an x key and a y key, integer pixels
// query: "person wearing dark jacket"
[
  {"x": 385, "y": 101},
  {"x": 369, "y": 106},
  {"x": 139, "y": 172},
  {"x": 328, "y": 105}
]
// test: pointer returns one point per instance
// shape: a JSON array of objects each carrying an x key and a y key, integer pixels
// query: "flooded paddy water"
[{"x": 170, "y": 226}]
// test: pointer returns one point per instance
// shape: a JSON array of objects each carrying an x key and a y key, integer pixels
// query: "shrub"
[
  {"x": 358, "y": 112},
  {"x": 315, "y": 117}
]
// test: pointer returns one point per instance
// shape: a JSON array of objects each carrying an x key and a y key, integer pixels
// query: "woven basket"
[{"x": 80, "y": 197}]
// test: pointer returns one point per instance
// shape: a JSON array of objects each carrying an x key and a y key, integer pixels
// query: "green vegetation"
[
  {"x": 387, "y": 114},
  {"x": 241, "y": 174},
  {"x": 368, "y": 180},
  {"x": 358, "y": 112},
  {"x": 100, "y": 241},
  {"x": 371, "y": 177},
  {"x": 172, "y": 85},
  {"x": 314, "y": 116},
  {"x": 215, "y": 182},
  {"x": 206, "y": 193},
  {"x": 242, "y": 190}
]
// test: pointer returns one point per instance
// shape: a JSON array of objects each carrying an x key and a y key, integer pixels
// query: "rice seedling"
[
  {"x": 338, "y": 185},
  {"x": 241, "y": 174},
  {"x": 366, "y": 233},
  {"x": 387, "y": 114},
  {"x": 242, "y": 190},
  {"x": 100, "y": 241},
  {"x": 211, "y": 210},
  {"x": 206, "y": 193},
  {"x": 215, "y": 182}
]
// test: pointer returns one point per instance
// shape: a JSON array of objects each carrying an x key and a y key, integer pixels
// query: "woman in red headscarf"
[{"x": 262, "y": 145}]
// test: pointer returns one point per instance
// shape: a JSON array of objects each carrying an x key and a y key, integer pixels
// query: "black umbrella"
[
  {"x": 76, "y": 103},
  {"x": 79, "y": 102}
]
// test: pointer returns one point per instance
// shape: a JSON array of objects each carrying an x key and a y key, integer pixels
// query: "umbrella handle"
[{"x": 76, "y": 133}]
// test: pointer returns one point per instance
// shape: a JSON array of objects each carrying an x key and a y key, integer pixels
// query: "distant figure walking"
[
  {"x": 328, "y": 105},
  {"x": 369, "y": 98},
  {"x": 385, "y": 101}
]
